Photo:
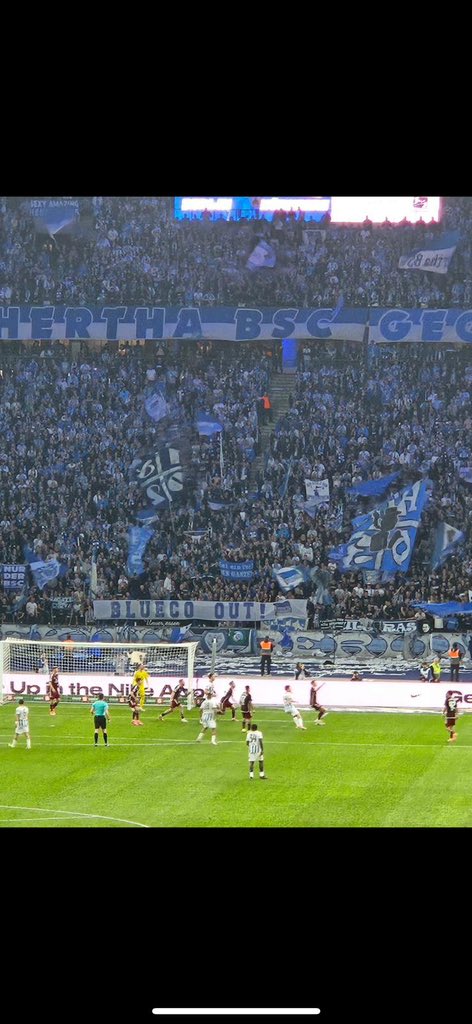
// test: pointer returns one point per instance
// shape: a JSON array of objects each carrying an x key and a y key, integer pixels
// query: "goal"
[{"x": 85, "y": 669}]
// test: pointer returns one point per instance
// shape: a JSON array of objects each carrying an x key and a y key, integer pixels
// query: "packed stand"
[
  {"x": 132, "y": 251},
  {"x": 70, "y": 430}
]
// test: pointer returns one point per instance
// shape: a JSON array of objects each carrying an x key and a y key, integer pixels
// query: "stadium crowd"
[
  {"x": 71, "y": 430},
  {"x": 74, "y": 422},
  {"x": 133, "y": 251}
]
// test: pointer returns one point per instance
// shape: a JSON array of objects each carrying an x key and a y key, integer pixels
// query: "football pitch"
[{"x": 359, "y": 770}]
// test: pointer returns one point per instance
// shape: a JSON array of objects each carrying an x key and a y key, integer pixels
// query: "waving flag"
[
  {"x": 465, "y": 474},
  {"x": 373, "y": 487},
  {"x": 160, "y": 476},
  {"x": 156, "y": 406},
  {"x": 138, "y": 537},
  {"x": 284, "y": 484},
  {"x": 446, "y": 539},
  {"x": 208, "y": 425},
  {"x": 262, "y": 256},
  {"x": 45, "y": 572},
  {"x": 317, "y": 491},
  {"x": 435, "y": 259},
  {"x": 289, "y": 577},
  {"x": 384, "y": 538}
]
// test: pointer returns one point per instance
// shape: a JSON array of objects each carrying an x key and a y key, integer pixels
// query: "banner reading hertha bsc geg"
[
  {"x": 227, "y": 323},
  {"x": 431, "y": 325}
]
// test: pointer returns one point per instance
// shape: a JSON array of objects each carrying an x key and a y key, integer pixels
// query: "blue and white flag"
[
  {"x": 54, "y": 215},
  {"x": 373, "y": 487},
  {"x": 138, "y": 537},
  {"x": 216, "y": 506},
  {"x": 237, "y": 570},
  {"x": 446, "y": 539},
  {"x": 384, "y": 538},
  {"x": 207, "y": 425},
  {"x": 289, "y": 577},
  {"x": 44, "y": 572},
  {"x": 262, "y": 256},
  {"x": 436, "y": 259},
  {"x": 465, "y": 474},
  {"x": 156, "y": 406},
  {"x": 317, "y": 491}
]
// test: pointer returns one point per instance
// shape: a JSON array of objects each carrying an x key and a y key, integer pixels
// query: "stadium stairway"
[{"x": 281, "y": 386}]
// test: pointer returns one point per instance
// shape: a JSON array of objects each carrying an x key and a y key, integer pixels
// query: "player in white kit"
[
  {"x": 21, "y": 724},
  {"x": 208, "y": 709},
  {"x": 256, "y": 750},
  {"x": 290, "y": 709}
]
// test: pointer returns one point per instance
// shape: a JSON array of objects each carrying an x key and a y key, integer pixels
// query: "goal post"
[{"x": 85, "y": 669}]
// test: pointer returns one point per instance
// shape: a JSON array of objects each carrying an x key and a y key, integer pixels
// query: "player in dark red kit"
[
  {"x": 246, "y": 708},
  {"x": 179, "y": 694},
  {"x": 450, "y": 711},
  {"x": 227, "y": 702},
  {"x": 314, "y": 703},
  {"x": 134, "y": 703},
  {"x": 54, "y": 691}
]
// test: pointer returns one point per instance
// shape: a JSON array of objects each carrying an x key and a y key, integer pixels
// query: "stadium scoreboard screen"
[{"x": 341, "y": 209}]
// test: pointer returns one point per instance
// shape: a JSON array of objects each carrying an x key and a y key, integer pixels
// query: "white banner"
[
  {"x": 317, "y": 491},
  {"x": 218, "y": 611},
  {"x": 336, "y": 692}
]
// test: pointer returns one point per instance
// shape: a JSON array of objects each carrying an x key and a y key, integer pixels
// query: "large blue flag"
[
  {"x": 373, "y": 487},
  {"x": 446, "y": 539},
  {"x": 384, "y": 538},
  {"x": 44, "y": 572},
  {"x": 138, "y": 537}
]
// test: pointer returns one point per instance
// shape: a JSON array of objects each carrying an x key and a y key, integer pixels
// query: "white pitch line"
[{"x": 76, "y": 814}]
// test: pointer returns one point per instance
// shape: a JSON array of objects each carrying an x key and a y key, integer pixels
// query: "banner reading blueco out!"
[
  {"x": 426, "y": 325},
  {"x": 218, "y": 611},
  {"x": 226, "y": 323}
]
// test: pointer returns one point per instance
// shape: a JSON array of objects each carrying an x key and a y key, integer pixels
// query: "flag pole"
[{"x": 222, "y": 461}]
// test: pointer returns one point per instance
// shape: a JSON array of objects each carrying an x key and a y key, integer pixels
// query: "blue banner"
[
  {"x": 447, "y": 608},
  {"x": 13, "y": 576},
  {"x": 237, "y": 570},
  {"x": 138, "y": 536},
  {"x": 385, "y": 537},
  {"x": 226, "y": 323},
  {"x": 373, "y": 487},
  {"x": 431, "y": 325}
]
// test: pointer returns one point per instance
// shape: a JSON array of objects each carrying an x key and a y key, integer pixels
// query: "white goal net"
[{"x": 85, "y": 669}]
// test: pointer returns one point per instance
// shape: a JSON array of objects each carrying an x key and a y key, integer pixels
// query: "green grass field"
[{"x": 366, "y": 770}]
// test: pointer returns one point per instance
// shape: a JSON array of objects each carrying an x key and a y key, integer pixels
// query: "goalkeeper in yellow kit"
[{"x": 140, "y": 679}]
